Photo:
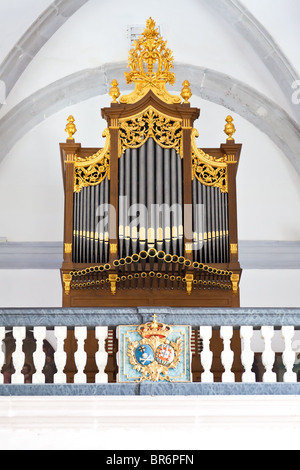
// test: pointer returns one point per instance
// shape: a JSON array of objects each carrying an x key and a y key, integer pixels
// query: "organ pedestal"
[{"x": 150, "y": 218}]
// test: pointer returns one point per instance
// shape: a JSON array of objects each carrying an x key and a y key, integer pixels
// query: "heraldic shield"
[{"x": 154, "y": 352}]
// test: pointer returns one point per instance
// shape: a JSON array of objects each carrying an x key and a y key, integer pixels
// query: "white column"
[
  {"x": 60, "y": 356},
  {"x": 101, "y": 355},
  {"x": 2, "y": 354},
  {"x": 227, "y": 355},
  {"x": 39, "y": 333},
  {"x": 247, "y": 357},
  {"x": 288, "y": 356},
  {"x": 206, "y": 355},
  {"x": 80, "y": 354},
  {"x": 268, "y": 356},
  {"x": 18, "y": 357}
]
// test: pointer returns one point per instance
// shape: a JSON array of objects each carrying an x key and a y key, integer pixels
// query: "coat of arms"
[{"x": 154, "y": 352}]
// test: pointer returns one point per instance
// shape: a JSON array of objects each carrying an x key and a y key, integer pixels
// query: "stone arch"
[
  {"x": 240, "y": 18},
  {"x": 205, "y": 83},
  {"x": 34, "y": 39},
  {"x": 232, "y": 10}
]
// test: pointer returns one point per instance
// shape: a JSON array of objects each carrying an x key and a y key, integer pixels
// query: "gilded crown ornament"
[
  {"x": 150, "y": 62},
  {"x": 153, "y": 329}
]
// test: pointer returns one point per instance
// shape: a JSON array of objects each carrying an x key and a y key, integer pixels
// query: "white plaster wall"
[
  {"x": 280, "y": 17},
  {"x": 30, "y": 288},
  {"x": 147, "y": 423}
]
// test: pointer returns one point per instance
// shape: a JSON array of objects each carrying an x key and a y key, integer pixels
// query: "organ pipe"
[
  {"x": 210, "y": 224},
  {"x": 90, "y": 224},
  {"x": 150, "y": 184}
]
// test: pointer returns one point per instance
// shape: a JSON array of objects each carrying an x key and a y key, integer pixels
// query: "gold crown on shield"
[{"x": 154, "y": 328}]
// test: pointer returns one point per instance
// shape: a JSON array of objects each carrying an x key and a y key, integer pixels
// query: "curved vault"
[{"x": 208, "y": 84}]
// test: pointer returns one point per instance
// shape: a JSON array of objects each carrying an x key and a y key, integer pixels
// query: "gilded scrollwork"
[
  {"x": 209, "y": 170},
  {"x": 92, "y": 170},
  {"x": 210, "y": 176},
  {"x": 165, "y": 130},
  {"x": 91, "y": 175}
]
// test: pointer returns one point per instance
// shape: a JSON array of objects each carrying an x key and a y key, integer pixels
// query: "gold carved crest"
[
  {"x": 150, "y": 62},
  {"x": 154, "y": 355},
  {"x": 165, "y": 130}
]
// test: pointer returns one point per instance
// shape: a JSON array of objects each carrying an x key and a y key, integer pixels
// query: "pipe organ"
[{"x": 150, "y": 218}]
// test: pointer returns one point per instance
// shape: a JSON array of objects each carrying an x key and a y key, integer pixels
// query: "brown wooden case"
[{"x": 148, "y": 277}]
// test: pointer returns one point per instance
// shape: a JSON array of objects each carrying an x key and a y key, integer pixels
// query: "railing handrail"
[{"x": 112, "y": 317}]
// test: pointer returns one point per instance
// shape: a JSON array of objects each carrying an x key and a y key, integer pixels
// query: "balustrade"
[{"x": 86, "y": 353}]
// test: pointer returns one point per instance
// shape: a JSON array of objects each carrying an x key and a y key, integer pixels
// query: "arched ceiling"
[{"x": 279, "y": 122}]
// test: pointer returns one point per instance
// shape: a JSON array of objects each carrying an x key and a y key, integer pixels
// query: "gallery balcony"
[{"x": 75, "y": 351}]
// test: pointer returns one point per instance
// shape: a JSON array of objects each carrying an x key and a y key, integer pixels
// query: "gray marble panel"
[
  {"x": 152, "y": 389},
  {"x": 113, "y": 317}
]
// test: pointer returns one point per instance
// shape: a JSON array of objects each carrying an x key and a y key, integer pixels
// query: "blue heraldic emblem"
[{"x": 154, "y": 352}]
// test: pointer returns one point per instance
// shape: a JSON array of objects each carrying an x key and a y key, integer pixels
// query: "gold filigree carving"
[
  {"x": 150, "y": 62},
  {"x": 90, "y": 171},
  {"x": 210, "y": 176},
  {"x": 210, "y": 171},
  {"x": 91, "y": 175},
  {"x": 165, "y": 130}
]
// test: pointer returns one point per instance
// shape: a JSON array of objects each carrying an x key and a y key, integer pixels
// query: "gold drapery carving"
[
  {"x": 165, "y": 130},
  {"x": 90, "y": 171}
]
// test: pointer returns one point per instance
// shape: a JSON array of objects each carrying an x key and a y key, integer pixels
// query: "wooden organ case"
[{"x": 150, "y": 219}]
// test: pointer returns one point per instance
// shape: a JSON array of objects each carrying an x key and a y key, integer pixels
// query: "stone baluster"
[
  {"x": 80, "y": 355},
  {"x": 247, "y": 356},
  {"x": 101, "y": 355},
  {"x": 2, "y": 354},
  {"x": 268, "y": 356},
  {"x": 18, "y": 357},
  {"x": 206, "y": 355},
  {"x": 39, "y": 333},
  {"x": 288, "y": 356},
  {"x": 227, "y": 354},
  {"x": 60, "y": 356}
]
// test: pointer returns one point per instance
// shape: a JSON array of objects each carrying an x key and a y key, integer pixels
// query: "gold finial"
[
  {"x": 186, "y": 91},
  {"x": 229, "y": 128},
  {"x": 154, "y": 323},
  {"x": 150, "y": 62},
  {"x": 71, "y": 128},
  {"x": 114, "y": 91}
]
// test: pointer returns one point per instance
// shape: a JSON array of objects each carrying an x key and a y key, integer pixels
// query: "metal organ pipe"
[
  {"x": 91, "y": 238},
  {"x": 211, "y": 227},
  {"x": 150, "y": 178}
]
